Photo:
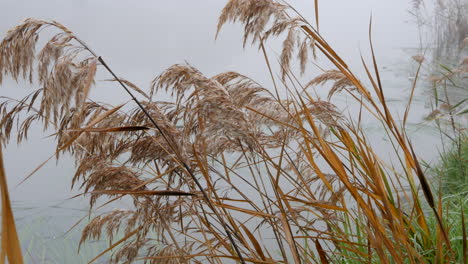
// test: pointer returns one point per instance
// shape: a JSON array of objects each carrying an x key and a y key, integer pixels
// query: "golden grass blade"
[
  {"x": 289, "y": 236},
  {"x": 377, "y": 85},
  {"x": 131, "y": 85},
  {"x": 254, "y": 241},
  {"x": 322, "y": 254},
  {"x": 111, "y": 129},
  {"x": 320, "y": 204},
  {"x": 10, "y": 243},
  {"x": 374, "y": 61},
  {"x": 316, "y": 2},
  {"x": 36, "y": 169},
  {"x": 410, "y": 100},
  {"x": 104, "y": 115},
  {"x": 243, "y": 210},
  {"x": 326, "y": 48},
  {"x": 333, "y": 239}
]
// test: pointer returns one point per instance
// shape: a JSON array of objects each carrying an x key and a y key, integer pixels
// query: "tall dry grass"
[
  {"x": 228, "y": 171},
  {"x": 10, "y": 244}
]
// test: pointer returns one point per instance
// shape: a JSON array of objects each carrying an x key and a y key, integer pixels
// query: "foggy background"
[{"x": 139, "y": 39}]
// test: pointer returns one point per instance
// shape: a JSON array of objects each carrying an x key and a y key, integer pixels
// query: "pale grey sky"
[{"x": 141, "y": 38}]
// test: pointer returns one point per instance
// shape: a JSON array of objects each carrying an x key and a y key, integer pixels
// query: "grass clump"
[{"x": 228, "y": 170}]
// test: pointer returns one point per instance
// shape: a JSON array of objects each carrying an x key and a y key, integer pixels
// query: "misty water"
[{"x": 139, "y": 40}]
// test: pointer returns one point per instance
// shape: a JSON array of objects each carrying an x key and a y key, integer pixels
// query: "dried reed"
[{"x": 226, "y": 171}]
